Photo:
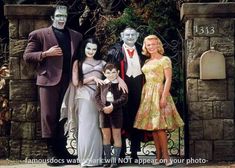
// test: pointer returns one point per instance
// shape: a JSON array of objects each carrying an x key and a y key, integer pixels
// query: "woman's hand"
[
  {"x": 98, "y": 81},
  {"x": 108, "y": 109},
  {"x": 122, "y": 85},
  {"x": 163, "y": 102}
]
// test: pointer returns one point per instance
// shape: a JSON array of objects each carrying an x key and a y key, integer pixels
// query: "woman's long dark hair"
[{"x": 82, "y": 55}]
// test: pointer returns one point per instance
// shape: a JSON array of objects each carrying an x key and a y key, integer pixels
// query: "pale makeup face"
[
  {"x": 152, "y": 46},
  {"x": 90, "y": 50},
  {"x": 111, "y": 75},
  {"x": 60, "y": 18},
  {"x": 129, "y": 37}
]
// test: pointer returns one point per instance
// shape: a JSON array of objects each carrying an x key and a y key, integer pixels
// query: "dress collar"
[{"x": 106, "y": 81}]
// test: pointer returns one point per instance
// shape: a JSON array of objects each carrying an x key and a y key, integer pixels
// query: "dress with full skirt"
[{"x": 150, "y": 116}]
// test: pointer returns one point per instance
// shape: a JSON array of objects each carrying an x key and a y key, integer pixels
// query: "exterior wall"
[
  {"x": 5, "y": 127},
  {"x": 25, "y": 138},
  {"x": 210, "y": 102},
  {"x": 4, "y": 107}
]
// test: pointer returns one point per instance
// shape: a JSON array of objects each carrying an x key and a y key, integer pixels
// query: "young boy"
[{"x": 109, "y": 100}]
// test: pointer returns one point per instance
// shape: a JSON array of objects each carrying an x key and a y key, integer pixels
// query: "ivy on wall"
[{"x": 4, "y": 104}]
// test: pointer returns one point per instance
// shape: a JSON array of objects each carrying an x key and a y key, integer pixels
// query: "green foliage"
[
  {"x": 127, "y": 19},
  {"x": 159, "y": 16},
  {"x": 163, "y": 17}
]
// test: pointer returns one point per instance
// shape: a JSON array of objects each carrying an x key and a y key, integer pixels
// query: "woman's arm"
[
  {"x": 88, "y": 80},
  {"x": 75, "y": 79},
  {"x": 167, "y": 86},
  {"x": 95, "y": 79}
]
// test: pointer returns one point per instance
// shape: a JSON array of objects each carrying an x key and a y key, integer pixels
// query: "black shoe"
[
  {"x": 53, "y": 160},
  {"x": 64, "y": 154},
  {"x": 106, "y": 165},
  {"x": 69, "y": 156},
  {"x": 122, "y": 155},
  {"x": 71, "y": 162},
  {"x": 52, "y": 157},
  {"x": 134, "y": 158},
  {"x": 69, "y": 159},
  {"x": 114, "y": 165}
]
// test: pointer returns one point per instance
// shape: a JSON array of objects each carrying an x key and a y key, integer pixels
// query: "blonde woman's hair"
[{"x": 160, "y": 45}]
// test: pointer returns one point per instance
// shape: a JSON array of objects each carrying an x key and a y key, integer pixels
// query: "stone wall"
[
  {"x": 25, "y": 120},
  {"x": 210, "y": 102},
  {"x": 5, "y": 127}
]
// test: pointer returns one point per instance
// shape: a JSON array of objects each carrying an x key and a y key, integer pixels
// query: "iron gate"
[{"x": 176, "y": 144}]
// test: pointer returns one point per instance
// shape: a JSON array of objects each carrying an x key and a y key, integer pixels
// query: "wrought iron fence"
[{"x": 173, "y": 49}]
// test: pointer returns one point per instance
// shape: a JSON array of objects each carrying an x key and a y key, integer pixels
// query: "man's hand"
[
  {"x": 54, "y": 51},
  {"x": 122, "y": 85}
]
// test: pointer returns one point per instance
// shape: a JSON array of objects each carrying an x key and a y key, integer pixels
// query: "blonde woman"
[{"x": 157, "y": 111}]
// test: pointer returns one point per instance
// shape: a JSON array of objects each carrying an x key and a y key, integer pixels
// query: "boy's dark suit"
[{"x": 120, "y": 99}]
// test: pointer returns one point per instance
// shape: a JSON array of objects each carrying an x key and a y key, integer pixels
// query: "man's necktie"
[{"x": 130, "y": 53}]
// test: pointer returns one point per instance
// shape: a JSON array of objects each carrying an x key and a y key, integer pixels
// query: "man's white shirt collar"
[{"x": 128, "y": 47}]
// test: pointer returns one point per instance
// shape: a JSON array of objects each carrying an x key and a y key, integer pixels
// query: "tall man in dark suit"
[
  {"x": 127, "y": 56},
  {"x": 53, "y": 49}
]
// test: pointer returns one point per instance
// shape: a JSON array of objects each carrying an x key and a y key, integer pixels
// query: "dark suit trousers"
[
  {"x": 131, "y": 108},
  {"x": 51, "y": 98}
]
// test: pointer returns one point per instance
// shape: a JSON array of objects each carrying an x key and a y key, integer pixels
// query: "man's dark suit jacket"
[
  {"x": 116, "y": 55},
  {"x": 49, "y": 70}
]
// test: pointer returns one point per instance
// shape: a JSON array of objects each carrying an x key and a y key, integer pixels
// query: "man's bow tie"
[{"x": 130, "y": 53}]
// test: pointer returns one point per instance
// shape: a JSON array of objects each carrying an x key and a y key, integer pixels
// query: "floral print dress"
[{"x": 150, "y": 116}]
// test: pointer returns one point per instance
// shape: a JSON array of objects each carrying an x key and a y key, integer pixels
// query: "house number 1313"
[{"x": 204, "y": 30}]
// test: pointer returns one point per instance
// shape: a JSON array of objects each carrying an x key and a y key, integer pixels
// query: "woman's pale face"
[
  {"x": 90, "y": 49},
  {"x": 152, "y": 46}
]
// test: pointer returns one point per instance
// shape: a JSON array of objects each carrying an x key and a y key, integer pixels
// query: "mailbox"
[{"x": 212, "y": 65}]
